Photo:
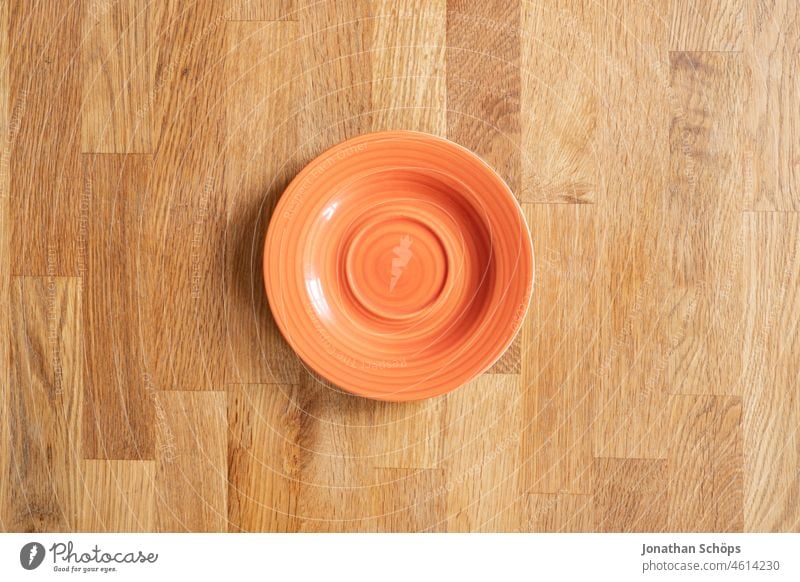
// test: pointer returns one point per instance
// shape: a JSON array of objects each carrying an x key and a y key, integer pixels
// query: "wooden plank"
[
  {"x": 409, "y": 500},
  {"x": 773, "y": 57},
  {"x": 6, "y": 136},
  {"x": 706, "y": 195},
  {"x": 483, "y": 82},
  {"x": 560, "y": 105},
  {"x": 265, "y": 457},
  {"x": 705, "y": 464},
  {"x": 44, "y": 402},
  {"x": 44, "y": 154},
  {"x": 253, "y": 10},
  {"x": 630, "y": 495},
  {"x": 337, "y": 482},
  {"x": 118, "y": 417},
  {"x": 191, "y": 462},
  {"x": 481, "y": 455},
  {"x": 561, "y": 359},
  {"x": 771, "y": 398},
  {"x": 118, "y": 67},
  {"x": 638, "y": 307},
  {"x": 118, "y": 496},
  {"x": 336, "y": 82},
  {"x": 559, "y": 512},
  {"x": 407, "y": 436},
  {"x": 408, "y": 66},
  {"x": 713, "y": 25},
  {"x": 182, "y": 248},
  {"x": 260, "y": 158}
]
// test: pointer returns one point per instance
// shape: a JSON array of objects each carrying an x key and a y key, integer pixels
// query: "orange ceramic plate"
[{"x": 398, "y": 265}]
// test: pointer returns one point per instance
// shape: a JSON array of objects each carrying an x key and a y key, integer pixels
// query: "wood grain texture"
[
  {"x": 653, "y": 146},
  {"x": 705, "y": 464},
  {"x": 771, "y": 399},
  {"x": 336, "y": 77},
  {"x": 265, "y": 457},
  {"x": 44, "y": 155},
  {"x": 408, "y": 66},
  {"x": 118, "y": 412},
  {"x": 261, "y": 70},
  {"x": 409, "y": 500},
  {"x": 705, "y": 201},
  {"x": 191, "y": 470},
  {"x": 183, "y": 229},
  {"x": 630, "y": 495},
  {"x": 559, "y": 512},
  {"x": 638, "y": 234},
  {"x": 336, "y": 478},
  {"x": 560, "y": 102},
  {"x": 118, "y": 71},
  {"x": 481, "y": 455},
  {"x": 254, "y": 10},
  {"x": 5, "y": 276},
  {"x": 714, "y": 25},
  {"x": 44, "y": 401},
  {"x": 118, "y": 496},
  {"x": 561, "y": 335},
  {"x": 773, "y": 56}
]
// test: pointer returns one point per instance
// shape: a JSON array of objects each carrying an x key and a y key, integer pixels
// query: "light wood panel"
[
  {"x": 706, "y": 197},
  {"x": 559, "y": 371},
  {"x": 191, "y": 469},
  {"x": 256, "y": 10},
  {"x": 481, "y": 455},
  {"x": 118, "y": 496},
  {"x": 630, "y": 495},
  {"x": 408, "y": 66},
  {"x": 6, "y": 134},
  {"x": 771, "y": 401},
  {"x": 118, "y": 60},
  {"x": 705, "y": 464},
  {"x": 773, "y": 56},
  {"x": 560, "y": 102},
  {"x": 261, "y": 139},
  {"x": 713, "y": 25},
  {"x": 559, "y": 512},
  {"x": 265, "y": 457},
  {"x": 143, "y": 146},
  {"x": 44, "y": 401},
  {"x": 182, "y": 231},
  {"x": 637, "y": 232}
]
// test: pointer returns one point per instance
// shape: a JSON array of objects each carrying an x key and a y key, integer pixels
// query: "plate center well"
[{"x": 396, "y": 266}]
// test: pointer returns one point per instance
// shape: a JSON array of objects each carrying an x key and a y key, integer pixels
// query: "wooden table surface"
[{"x": 654, "y": 146}]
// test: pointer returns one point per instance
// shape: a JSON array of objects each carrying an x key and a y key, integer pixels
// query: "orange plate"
[{"x": 398, "y": 265}]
